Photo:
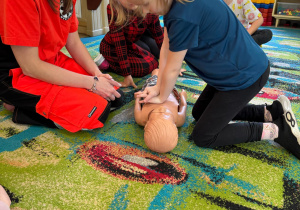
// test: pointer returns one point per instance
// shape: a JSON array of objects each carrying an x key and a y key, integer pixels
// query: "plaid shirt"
[{"x": 121, "y": 40}]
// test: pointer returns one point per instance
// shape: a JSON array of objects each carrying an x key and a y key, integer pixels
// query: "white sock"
[{"x": 270, "y": 131}]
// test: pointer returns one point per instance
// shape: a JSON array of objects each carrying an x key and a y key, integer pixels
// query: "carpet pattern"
[{"x": 111, "y": 167}]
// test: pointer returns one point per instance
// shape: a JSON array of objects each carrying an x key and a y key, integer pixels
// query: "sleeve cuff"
[{"x": 21, "y": 42}]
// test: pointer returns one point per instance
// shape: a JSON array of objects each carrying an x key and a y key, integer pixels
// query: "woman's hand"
[
  {"x": 107, "y": 76},
  {"x": 105, "y": 88},
  {"x": 128, "y": 81}
]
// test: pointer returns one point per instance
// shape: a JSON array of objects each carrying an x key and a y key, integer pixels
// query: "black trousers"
[
  {"x": 262, "y": 36},
  {"x": 24, "y": 103},
  {"x": 214, "y": 110},
  {"x": 148, "y": 43}
]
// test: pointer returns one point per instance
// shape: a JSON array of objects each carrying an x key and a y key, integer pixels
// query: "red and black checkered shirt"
[{"x": 119, "y": 49}]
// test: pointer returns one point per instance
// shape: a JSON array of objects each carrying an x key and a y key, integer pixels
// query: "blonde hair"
[
  {"x": 161, "y": 135},
  {"x": 123, "y": 16},
  {"x": 184, "y": 1}
]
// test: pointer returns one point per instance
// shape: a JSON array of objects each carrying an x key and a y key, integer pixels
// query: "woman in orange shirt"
[{"x": 40, "y": 84}]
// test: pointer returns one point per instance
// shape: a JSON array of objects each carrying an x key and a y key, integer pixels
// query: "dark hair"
[{"x": 54, "y": 4}]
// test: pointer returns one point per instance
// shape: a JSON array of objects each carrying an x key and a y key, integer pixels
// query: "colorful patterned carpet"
[{"x": 111, "y": 168}]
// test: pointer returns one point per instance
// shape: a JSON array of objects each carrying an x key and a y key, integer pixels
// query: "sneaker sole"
[{"x": 289, "y": 116}]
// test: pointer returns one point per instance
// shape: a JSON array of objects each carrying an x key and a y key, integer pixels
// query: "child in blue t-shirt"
[{"x": 214, "y": 44}]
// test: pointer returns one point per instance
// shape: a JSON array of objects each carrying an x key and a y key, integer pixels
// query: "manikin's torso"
[{"x": 171, "y": 104}]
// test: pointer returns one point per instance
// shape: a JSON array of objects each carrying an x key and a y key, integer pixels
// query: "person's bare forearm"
[
  {"x": 67, "y": 78},
  {"x": 167, "y": 82},
  {"x": 163, "y": 55},
  {"x": 29, "y": 61},
  {"x": 31, "y": 65},
  {"x": 81, "y": 55},
  {"x": 170, "y": 74},
  {"x": 255, "y": 25}
]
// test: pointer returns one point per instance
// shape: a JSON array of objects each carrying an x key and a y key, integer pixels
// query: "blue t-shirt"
[{"x": 219, "y": 49}]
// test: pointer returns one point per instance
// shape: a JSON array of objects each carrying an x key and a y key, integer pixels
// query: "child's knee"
[
  {"x": 201, "y": 139},
  {"x": 195, "y": 114}
]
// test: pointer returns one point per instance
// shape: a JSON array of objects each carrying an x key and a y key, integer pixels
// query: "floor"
[{"x": 83, "y": 35}]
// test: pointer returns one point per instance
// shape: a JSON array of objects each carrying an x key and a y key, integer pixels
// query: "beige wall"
[{"x": 92, "y": 22}]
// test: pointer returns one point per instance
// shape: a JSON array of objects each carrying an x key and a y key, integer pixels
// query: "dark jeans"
[
  {"x": 262, "y": 36},
  {"x": 148, "y": 43},
  {"x": 214, "y": 110}
]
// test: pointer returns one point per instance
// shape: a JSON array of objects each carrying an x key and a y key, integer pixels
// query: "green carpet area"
[{"x": 111, "y": 167}]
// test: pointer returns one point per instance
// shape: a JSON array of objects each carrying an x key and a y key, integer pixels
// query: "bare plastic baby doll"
[{"x": 161, "y": 120}]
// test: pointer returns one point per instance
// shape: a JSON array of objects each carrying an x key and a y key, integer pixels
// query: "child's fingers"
[
  {"x": 107, "y": 76},
  {"x": 142, "y": 95}
]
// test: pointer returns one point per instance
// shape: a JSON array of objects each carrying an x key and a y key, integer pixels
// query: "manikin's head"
[{"x": 161, "y": 134}]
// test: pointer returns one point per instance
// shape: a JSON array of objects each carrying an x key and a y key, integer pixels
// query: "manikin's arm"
[
  {"x": 182, "y": 109},
  {"x": 138, "y": 114}
]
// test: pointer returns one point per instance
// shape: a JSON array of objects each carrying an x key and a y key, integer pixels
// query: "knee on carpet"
[
  {"x": 201, "y": 140},
  {"x": 196, "y": 114}
]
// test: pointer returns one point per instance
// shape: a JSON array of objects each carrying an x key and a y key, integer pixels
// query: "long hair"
[
  {"x": 54, "y": 4},
  {"x": 183, "y": 1},
  {"x": 122, "y": 16}
]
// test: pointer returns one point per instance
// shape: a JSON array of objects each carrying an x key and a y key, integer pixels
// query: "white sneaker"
[{"x": 289, "y": 116}]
